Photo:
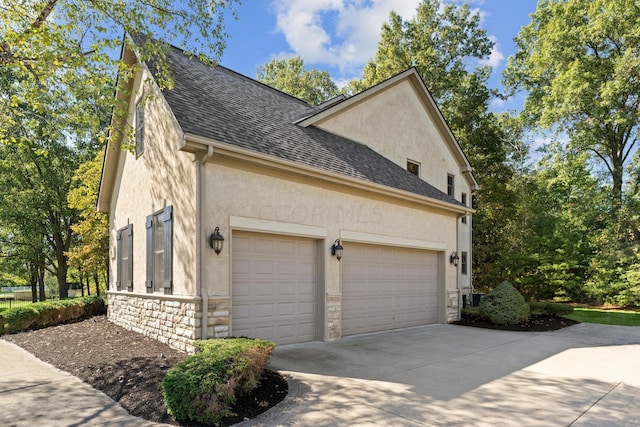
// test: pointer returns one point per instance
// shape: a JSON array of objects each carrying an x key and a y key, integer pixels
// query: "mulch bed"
[
  {"x": 129, "y": 367},
  {"x": 536, "y": 323}
]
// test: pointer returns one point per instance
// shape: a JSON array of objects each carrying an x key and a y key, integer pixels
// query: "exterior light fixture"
[
  {"x": 216, "y": 240},
  {"x": 336, "y": 249},
  {"x": 454, "y": 258}
]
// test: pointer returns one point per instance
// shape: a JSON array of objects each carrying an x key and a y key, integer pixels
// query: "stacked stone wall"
[{"x": 175, "y": 321}]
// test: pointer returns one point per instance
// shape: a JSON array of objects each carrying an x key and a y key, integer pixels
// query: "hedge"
[
  {"x": 50, "y": 313},
  {"x": 204, "y": 387},
  {"x": 550, "y": 308}
]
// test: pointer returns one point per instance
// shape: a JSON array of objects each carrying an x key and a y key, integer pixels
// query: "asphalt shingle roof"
[{"x": 217, "y": 103}]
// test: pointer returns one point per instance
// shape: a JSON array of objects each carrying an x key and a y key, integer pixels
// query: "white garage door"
[
  {"x": 273, "y": 287},
  {"x": 384, "y": 287}
]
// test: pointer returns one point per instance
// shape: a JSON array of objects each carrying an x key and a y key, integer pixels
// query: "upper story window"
[
  {"x": 413, "y": 167},
  {"x": 139, "y": 127},
  {"x": 160, "y": 250},
  {"x": 463, "y": 199},
  {"x": 451, "y": 190},
  {"x": 124, "y": 266}
]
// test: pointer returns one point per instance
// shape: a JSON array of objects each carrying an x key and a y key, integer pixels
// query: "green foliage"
[
  {"x": 449, "y": 50},
  {"x": 90, "y": 251},
  {"x": 504, "y": 305},
  {"x": 44, "y": 314},
  {"x": 289, "y": 76},
  {"x": 578, "y": 60},
  {"x": 471, "y": 312},
  {"x": 203, "y": 387},
  {"x": 550, "y": 308}
]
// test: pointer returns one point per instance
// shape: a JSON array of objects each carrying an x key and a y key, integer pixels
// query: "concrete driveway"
[{"x": 584, "y": 375}]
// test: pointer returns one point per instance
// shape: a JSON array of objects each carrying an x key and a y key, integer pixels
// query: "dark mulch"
[
  {"x": 129, "y": 367},
  {"x": 536, "y": 323}
]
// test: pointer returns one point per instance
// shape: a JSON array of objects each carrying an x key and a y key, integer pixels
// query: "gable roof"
[
  {"x": 221, "y": 105},
  {"x": 412, "y": 75},
  {"x": 217, "y": 107}
]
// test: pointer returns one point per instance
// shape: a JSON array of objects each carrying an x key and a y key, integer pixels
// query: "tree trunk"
[
  {"x": 96, "y": 280},
  {"x": 33, "y": 280},
  {"x": 82, "y": 283},
  {"x": 43, "y": 295}
]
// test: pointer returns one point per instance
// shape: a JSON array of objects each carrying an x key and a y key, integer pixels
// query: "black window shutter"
[
  {"x": 119, "y": 260},
  {"x": 167, "y": 218},
  {"x": 129, "y": 266},
  {"x": 149, "y": 226}
]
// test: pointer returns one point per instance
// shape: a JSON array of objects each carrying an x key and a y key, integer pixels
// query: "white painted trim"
[
  {"x": 239, "y": 223},
  {"x": 379, "y": 239}
]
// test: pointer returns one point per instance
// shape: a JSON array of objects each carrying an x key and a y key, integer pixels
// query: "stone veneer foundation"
[{"x": 177, "y": 321}]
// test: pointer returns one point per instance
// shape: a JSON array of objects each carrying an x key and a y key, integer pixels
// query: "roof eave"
[
  {"x": 116, "y": 133},
  {"x": 200, "y": 146}
]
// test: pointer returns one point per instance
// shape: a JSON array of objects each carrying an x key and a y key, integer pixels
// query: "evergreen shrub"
[{"x": 504, "y": 305}]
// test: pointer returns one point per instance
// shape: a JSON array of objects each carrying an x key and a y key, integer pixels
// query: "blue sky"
[{"x": 339, "y": 36}]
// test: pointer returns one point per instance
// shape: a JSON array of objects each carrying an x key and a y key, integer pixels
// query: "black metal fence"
[{"x": 7, "y": 302}]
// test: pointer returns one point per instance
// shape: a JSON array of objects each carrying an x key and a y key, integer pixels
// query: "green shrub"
[
  {"x": 504, "y": 305},
  {"x": 471, "y": 312},
  {"x": 205, "y": 386},
  {"x": 44, "y": 314},
  {"x": 550, "y": 308}
]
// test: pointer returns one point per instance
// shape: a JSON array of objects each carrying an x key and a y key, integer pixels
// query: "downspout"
[{"x": 201, "y": 245}]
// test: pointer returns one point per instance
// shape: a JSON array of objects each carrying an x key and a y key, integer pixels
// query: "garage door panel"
[
  {"x": 274, "y": 287},
  {"x": 386, "y": 288}
]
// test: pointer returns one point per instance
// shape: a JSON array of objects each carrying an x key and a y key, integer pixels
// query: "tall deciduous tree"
[
  {"x": 90, "y": 251},
  {"x": 579, "y": 60},
  {"x": 290, "y": 76}
]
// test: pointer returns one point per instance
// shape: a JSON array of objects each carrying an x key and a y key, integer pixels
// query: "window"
[
  {"x": 413, "y": 167},
  {"x": 160, "y": 250},
  {"x": 463, "y": 263},
  {"x": 463, "y": 199},
  {"x": 124, "y": 266},
  {"x": 451, "y": 185},
  {"x": 139, "y": 128}
]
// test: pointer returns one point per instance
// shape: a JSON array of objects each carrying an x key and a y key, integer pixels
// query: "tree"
[
  {"x": 448, "y": 49},
  {"x": 34, "y": 182},
  {"x": 579, "y": 62},
  {"x": 289, "y": 76},
  {"x": 65, "y": 51},
  {"x": 90, "y": 252}
]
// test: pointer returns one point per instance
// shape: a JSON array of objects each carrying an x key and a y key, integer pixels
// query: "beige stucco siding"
[
  {"x": 395, "y": 123},
  {"x": 289, "y": 203},
  {"x": 161, "y": 176}
]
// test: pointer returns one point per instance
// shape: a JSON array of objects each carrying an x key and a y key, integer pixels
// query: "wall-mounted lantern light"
[
  {"x": 216, "y": 240},
  {"x": 454, "y": 258},
  {"x": 336, "y": 249}
]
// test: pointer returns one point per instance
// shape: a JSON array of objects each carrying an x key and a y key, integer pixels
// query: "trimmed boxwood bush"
[
  {"x": 50, "y": 313},
  {"x": 550, "y": 308},
  {"x": 504, "y": 305},
  {"x": 205, "y": 386}
]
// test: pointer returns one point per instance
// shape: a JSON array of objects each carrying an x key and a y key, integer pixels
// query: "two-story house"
[{"x": 246, "y": 211}]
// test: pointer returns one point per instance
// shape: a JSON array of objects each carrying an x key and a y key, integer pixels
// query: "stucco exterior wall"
[
  {"x": 161, "y": 176},
  {"x": 395, "y": 123},
  {"x": 241, "y": 196}
]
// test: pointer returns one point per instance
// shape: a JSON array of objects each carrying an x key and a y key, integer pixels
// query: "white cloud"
[
  {"x": 496, "y": 57},
  {"x": 339, "y": 33}
]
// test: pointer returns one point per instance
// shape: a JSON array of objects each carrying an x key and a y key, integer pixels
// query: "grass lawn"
[{"x": 607, "y": 317}]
